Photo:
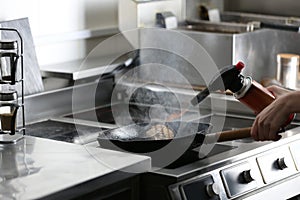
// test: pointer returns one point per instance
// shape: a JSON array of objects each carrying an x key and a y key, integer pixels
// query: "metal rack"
[{"x": 12, "y": 133}]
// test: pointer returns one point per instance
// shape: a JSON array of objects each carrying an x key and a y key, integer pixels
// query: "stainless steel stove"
[{"x": 241, "y": 169}]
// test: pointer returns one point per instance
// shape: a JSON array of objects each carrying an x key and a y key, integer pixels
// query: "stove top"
[
  {"x": 193, "y": 156},
  {"x": 62, "y": 131},
  {"x": 231, "y": 170}
]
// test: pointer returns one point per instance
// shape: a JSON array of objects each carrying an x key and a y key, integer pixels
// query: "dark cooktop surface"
[
  {"x": 193, "y": 155},
  {"x": 60, "y": 131}
]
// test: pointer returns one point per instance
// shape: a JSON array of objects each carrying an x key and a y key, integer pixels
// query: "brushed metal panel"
[
  {"x": 218, "y": 46},
  {"x": 295, "y": 150},
  {"x": 273, "y": 7},
  {"x": 141, "y": 14},
  {"x": 59, "y": 102},
  {"x": 233, "y": 179},
  {"x": 258, "y": 50},
  {"x": 268, "y": 165}
]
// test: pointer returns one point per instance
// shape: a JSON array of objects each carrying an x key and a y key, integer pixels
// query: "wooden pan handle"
[{"x": 234, "y": 134}]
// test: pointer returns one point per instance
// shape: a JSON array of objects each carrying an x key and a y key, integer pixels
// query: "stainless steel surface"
[
  {"x": 271, "y": 167},
  {"x": 257, "y": 50},
  {"x": 236, "y": 169},
  {"x": 192, "y": 7},
  {"x": 10, "y": 139},
  {"x": 233, "y": 154},
  {"x": 141, "y": 14},
  {"x": 81, "y": 69},
  {"x": 229, "y": 42},
  {"x": 245, "y": 18},
  {"x": 215, "y": 27},
  {"x": 273, "y": 7},
  {"x": 235, "y": 183},
  {"x": 37, "y": 168},
  {"x": 295, "y": 149},
  {"x": 32, "y": 75},
  {"x": 287, "y": 70},
  {"x": 228, "y": 167},
  {"x": 76, "y": 35},
  {"x": 40, "y": 106}
]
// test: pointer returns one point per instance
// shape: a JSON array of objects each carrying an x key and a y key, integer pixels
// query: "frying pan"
[
  {"x": 133, "y": 137},
  {"x": 188, "y": 134}
]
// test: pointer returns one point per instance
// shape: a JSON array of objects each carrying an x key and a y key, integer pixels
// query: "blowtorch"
[{"x": 246, "y": 90}]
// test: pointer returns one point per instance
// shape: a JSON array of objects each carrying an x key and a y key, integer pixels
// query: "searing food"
[{"x": 160, "y": 132}]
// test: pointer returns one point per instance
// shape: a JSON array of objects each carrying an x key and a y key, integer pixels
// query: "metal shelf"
[{"x": 11, "y": 136}]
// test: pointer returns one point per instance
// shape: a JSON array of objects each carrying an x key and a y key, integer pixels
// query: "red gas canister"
[{"x": 256, "y": 97}]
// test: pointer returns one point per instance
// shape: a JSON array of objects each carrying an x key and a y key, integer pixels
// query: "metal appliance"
[
  {"x": 141, "y": 13},
  {"x": 225, "y": 173},
  {"x": 227, "y": 41},
  {"x": 12, "y": 75},
  {"x": 248, "y": 171},
  {"x": 241, "y": 169}
]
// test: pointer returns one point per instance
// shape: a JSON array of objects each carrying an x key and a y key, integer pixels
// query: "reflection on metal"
[
  {"x": 36, "y": 168},
  {"x": 141, "y": 14},
  {"x": 229, "y": 42},
  {"x": 74, "y": 70},
  {"x": 10, "y": 139},
  {"x": 14, "y": 163},
  {"x": 272, "y": 7}
]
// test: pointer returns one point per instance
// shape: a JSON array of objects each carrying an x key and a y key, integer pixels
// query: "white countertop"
[{"x": 35, "y": 167}]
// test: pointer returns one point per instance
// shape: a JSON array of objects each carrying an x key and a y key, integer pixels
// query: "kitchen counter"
[{"x": 41, "y": 168}]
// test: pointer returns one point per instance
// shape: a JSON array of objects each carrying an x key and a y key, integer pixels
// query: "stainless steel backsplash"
[{"x": 271, "y": 7}]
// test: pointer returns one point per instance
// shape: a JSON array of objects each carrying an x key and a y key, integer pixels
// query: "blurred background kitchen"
[
  {"x": 67, "y": 31},
  {"x": 76, "y": 91}
]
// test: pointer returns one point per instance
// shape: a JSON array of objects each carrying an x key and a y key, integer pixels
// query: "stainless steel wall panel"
[
  {"x": 273, "y": 7},
  {"x": 259, "y": 49}
]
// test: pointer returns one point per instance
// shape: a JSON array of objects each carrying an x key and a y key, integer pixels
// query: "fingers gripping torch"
[{"x": 246, "y": 90}]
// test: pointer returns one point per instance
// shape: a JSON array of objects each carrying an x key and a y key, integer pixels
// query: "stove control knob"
[
  {"x": 281, "y": 163},
  {"x": 212, "y": 190},
  {"x": 248, "y": 176}
]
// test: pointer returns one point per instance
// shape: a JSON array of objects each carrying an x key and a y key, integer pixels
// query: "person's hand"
[
  {"x": 269, "y": 121},
  {"x": 278, "y": 91}
]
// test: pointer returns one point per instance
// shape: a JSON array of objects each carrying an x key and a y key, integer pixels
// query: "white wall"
[{"x": 53, "y": 18}]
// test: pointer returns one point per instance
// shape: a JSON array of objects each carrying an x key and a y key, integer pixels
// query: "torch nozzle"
[
  {"x": 200, "y": 97},
  {"x": 229, "y": 78}
]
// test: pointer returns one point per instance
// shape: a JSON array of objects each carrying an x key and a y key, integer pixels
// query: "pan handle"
[{"x": 234, "y": 134}]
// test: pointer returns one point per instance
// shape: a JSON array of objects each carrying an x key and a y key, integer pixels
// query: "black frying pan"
[{"x": 133, "y": 138}]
